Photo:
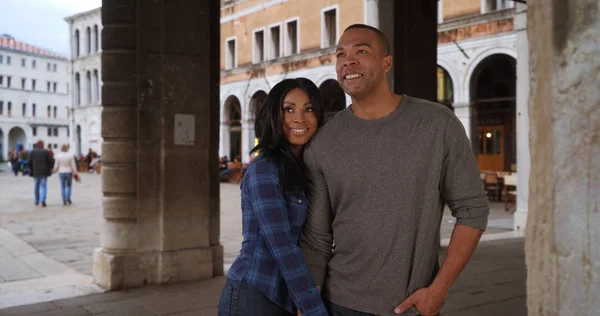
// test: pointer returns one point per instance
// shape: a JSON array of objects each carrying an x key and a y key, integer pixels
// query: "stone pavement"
[
  {"x": 46, "y": 253},
  {"x": 492, "y": 284}
]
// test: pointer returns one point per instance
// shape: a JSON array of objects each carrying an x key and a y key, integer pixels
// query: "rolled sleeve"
[{"x": 461, "y": 184}]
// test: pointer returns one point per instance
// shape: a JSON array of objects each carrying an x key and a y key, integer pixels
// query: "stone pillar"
[
  {"x": 5, "y": 148},
  {"x": 563, "y": 237},
  {"x": 224, "y": 140},
  {"x": 415, "y": 69},
  {"x": 465, "y": 113},
  {"x": 523, "y": 156},
  {"x": 247, "y": 139},
  {"x": 160, "y": 128}
]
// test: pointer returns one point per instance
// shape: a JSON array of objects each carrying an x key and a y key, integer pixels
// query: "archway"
[
  {"x": 3, "y": 154},
  {"x": 233, "y": 116},
  {"x": 334, "y": 99},
  {"x": 493, "y": 92},
  {"x": 445, "y": 88},
  {"x": 256, "y": 104},
  {"x": 78, "y": 138},
  {"x": 17, "y": 138}
]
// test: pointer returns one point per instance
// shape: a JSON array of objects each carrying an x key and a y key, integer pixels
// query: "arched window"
[
  {"x": 77, "y": 52},
  {"x": 88, "y": 87},
  {"x": 77, "y": 89},
  {"x": 88, "y": 40},
  {"x": 96, "y": 38}
]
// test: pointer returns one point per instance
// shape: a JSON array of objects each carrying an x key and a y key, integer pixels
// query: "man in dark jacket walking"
[{"x": 40, "y": 163}]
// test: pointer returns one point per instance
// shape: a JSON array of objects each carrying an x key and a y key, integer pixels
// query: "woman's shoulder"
[{"x": 261, "y": 165}]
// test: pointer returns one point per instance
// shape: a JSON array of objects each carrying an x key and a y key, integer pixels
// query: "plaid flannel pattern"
[{"x": 270, "y": 259}]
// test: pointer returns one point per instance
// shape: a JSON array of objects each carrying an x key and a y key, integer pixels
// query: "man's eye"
[
  {"x": 340, "y": 55},
  {"x": 362, "y": 51}
]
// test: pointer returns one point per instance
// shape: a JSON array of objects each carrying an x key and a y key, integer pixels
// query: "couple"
[{"x": 355, "y": 214}]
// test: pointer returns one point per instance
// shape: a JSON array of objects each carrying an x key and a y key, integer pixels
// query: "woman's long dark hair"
[{"x": 272, "y": 142}]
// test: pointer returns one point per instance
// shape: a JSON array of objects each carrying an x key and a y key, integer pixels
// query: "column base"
[{"x": 114, "y": 271}]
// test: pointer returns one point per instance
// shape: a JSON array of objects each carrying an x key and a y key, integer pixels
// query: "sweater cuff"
[{"x": 476, "y": 222}]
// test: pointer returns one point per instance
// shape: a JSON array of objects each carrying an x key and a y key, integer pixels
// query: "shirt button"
[{"x": 300, "y": 201}]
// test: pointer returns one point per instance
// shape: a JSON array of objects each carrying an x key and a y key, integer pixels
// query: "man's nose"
[{"x": 350, "y": 60}]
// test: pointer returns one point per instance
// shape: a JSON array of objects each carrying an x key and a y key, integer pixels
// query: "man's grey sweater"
[{"x": 379, "y": 188}]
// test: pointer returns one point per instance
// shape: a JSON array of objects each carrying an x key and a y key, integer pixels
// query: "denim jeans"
[
  {"x": 241, "y": 299},
  {"x": 66, "y": 179},
  {"x": 39, "y": 184}
]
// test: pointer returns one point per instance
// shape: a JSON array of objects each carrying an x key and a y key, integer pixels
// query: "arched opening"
[
  {"x": 3, "y": 155},
  {"x": 445, "y": 89},
  {"x": 233, "y": 113},
  {"x": 334, "y": 98},
  {"x": 17, "y": 138},
  {"x": 88, "y": 40},
  {"x": 96, "y": 87},
  {"x": 88, "y": 87},
  {"x": 78, "y": 140},
  {"x": 256, "y": 104},
  {"x": 493, "y": 92},
  {"x": 76, "y": 44},
  {"x": 96, "y": 39},
  {"x": 77, "y": 89}
]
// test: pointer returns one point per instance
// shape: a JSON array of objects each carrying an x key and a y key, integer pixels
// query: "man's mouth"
[{"x": 352, "y": 76}]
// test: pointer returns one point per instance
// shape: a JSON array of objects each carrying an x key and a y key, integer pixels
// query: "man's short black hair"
[{"x": 385, "y": 44}]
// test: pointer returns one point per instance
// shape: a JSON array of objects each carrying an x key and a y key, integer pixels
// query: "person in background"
[
  {"x": 40, "y": 164},
  {"x": 66, "y": 168}
]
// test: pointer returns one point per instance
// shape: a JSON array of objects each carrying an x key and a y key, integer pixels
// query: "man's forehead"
[{"x": 357, "y": 37}]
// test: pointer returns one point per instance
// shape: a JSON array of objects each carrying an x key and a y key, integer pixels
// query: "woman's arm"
[{"x": 271, "y": 210}]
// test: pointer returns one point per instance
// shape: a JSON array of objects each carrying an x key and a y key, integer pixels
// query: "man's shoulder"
[
  {"x": 432, "y": 108},
  {"x": 329, "y": 130}
]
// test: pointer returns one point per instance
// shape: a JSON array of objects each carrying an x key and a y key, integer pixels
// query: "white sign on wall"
[{"x": 184, "y": 129}]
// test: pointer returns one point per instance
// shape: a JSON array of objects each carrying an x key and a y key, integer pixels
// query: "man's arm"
[
  {"x": 462, "y": 189},
  {"x": 316, "y": 239}
]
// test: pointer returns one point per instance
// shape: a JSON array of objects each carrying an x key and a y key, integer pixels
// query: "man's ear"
[{"x": 387, "y": 63}]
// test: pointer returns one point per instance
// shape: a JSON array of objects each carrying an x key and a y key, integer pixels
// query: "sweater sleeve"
[
  {"x": 461, "y": 184},
  {"x": 316, "y": 239}
]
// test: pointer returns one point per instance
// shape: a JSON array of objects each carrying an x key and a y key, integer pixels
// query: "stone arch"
[
  {"x": 256, "y": 102},
  {"x": 477, "y": 61},
  {"x": 445, "y": 87},
  {"x": 17, "y": 137},
  {"x": 232, "y": 131},
  {"x": 492, "y": 95}
]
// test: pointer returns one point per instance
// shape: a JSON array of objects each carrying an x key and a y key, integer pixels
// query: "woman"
[
  {"x": 65, "y": 166},
  {"x": 269, "y": 276}
]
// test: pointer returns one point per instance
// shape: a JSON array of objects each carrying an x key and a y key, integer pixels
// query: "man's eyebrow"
[{"x": 355, "y": 45}]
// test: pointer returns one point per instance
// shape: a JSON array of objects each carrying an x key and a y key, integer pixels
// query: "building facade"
[
  {"x": 85, "y": 31},
  {"x": 264, "y": 42},
  {"x": 34, "y": 97}
]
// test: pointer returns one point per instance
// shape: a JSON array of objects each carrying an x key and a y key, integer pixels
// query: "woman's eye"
[
  {"x": 288, "y": 110},
  {"x": 310, "y": 110}
]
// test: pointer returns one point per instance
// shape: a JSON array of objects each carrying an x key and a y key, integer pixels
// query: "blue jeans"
[
  {"x": 40, "y": 183},
  {"x": 241, "y": 299},
  {"x": 66, "y": 179}
]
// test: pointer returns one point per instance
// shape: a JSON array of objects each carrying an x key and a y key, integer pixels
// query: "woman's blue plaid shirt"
[{"x": 270, "y": 259}]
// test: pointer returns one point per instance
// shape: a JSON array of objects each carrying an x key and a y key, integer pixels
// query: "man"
[
  {"x": 381, "y": 171},
  {"x": 40, "y": 163}
]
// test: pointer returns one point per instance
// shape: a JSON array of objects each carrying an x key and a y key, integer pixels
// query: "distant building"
[
  {"x": 85, "y": 31},
  {"x": 34, "y": 96}
]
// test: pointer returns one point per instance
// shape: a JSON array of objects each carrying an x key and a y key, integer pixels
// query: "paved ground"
[
  {"x": 46, "y": 252},
  {"x": 493, "y": 284}
]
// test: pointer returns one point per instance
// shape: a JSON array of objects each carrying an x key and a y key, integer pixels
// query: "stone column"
[
  {"x": 563, "y": 236},
  {"x": 5, "y": 148},
  {"x": 465, "y": 113},
  {"x": 247, "y": 139},
  {"x": 415, "y": 69},
  {"x": 523, "y": 156},
  {"x": 160, "y": 128},
  {"x": 224, "y": 140}
]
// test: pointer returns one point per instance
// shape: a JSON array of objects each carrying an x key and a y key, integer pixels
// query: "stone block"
[
  {"x": 185, "y": 265},
  {"x": 119, "y": 66},
  {"x": 118, "y": 93},
  {"x": 119, "y": 151},
  {"x": 119, "y": 122},
  {"x": 119, "y": 207},
  {"x": 149, "y": 13},
  {"x": 186, "y": 23},
  {"x": 119, "y": 179},
  {"x": 119, "y": 235},
  {"x": 119, "y": 12},
  {"x": 119, "y": 37},
  {"x": 108, "y": 270},
  {"x": 218, "y": 260}
]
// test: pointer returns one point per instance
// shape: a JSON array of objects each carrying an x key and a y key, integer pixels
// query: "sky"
[{"x": 42, "y": 22}]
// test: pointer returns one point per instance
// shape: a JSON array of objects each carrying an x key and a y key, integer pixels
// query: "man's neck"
[{"x": 375, "y": 106}]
